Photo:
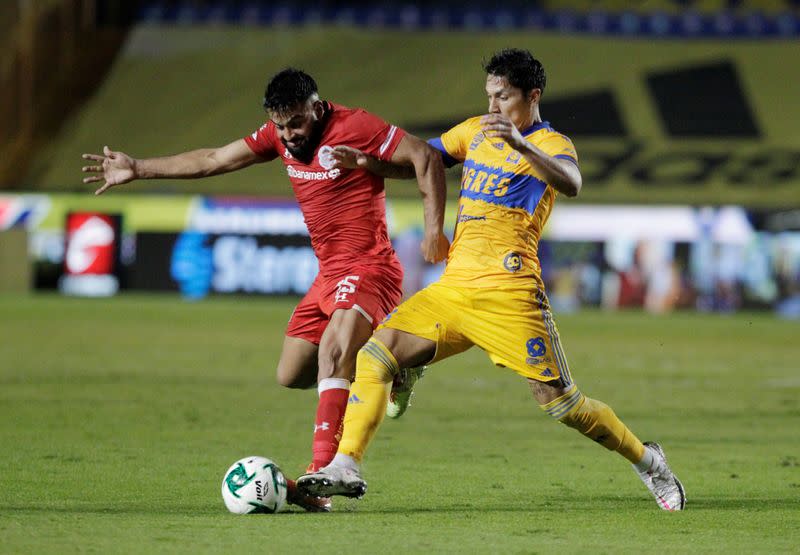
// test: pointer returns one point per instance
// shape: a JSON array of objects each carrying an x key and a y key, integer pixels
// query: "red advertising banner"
[{"x": 90, "y": 254}]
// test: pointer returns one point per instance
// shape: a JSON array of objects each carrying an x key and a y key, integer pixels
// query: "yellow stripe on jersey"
[{"x": 503, "y": 206}]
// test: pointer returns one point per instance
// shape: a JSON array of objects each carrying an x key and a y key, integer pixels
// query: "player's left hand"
[
  {"x": 498, "y": 126},
  {"x": 435, "y": 247},
  {"x": 347, "y": 157}
]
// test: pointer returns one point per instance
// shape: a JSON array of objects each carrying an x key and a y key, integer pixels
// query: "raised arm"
[
  {"x": 562, "y": 175},
  {"x": 412, "y": 158},
  {"x": 117, "y": 168}
]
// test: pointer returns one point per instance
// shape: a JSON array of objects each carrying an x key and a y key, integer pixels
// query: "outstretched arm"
[
  {"x": 117, "y": 168},
  {"x": 562, "y": 175}
]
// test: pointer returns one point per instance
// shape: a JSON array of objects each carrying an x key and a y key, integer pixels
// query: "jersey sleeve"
[
  {"x": 449, "y": 161},
  {"x": 380, "y": 138},
  {"x": 560, "y": 146},
  {"x": 262, "y": 142},
  {"x": 453, "y": 144}
]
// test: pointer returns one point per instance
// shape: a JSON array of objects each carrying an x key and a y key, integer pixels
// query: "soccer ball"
[{"x": 254, "y": 485}]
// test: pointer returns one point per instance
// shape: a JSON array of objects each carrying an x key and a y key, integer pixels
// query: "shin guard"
[
  {"x": 366, "y": 407},
  {"x": 597, "y": 421}
]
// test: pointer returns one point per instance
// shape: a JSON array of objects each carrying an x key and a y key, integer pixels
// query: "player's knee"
[
  {"x": 336, "y": 362},
  {"x": 287, "y": 381},
  {"x": 294, "y": 379},
  {"x": 375, "y": 362}
]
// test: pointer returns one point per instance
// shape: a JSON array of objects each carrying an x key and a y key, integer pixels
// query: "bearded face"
[{"x": 300, "y": 128}]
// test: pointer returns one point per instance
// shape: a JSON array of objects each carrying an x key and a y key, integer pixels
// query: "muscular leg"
[
  {"x": 383, "y": 355},
  {"x": 297, "y": 367},
  {"x": 303, "y": 364},
  {"x": 598, "y": 422},
  {"x": 408, "y": 349},
  {"x": 346, "y": 332},
  {"x": 592, "y": 418}
]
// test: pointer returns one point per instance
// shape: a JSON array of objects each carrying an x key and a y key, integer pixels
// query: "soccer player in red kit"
[{"x": 360, "y": 277}]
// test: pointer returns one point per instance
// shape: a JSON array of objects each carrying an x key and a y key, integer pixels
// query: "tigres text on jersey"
[{"x": 503, "y": 205}]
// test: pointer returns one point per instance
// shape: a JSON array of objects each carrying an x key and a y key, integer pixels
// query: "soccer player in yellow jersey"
[{"x": 491, "y": 293}]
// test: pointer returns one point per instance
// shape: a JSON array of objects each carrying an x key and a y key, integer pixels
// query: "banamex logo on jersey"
[
  {"x": 326, "y": 161},
  {"x": 312, "y": 176}
]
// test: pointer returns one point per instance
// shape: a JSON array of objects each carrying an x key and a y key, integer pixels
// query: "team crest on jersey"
[
  {"x": 514, "y": 157},
  {"x": 325, "y": 157},
  {"x": 513, "y": 262},
  {"x": 499, "y": 146}
]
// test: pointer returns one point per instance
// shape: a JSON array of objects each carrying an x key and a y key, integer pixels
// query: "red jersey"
[{"x": 344, "y": 210}]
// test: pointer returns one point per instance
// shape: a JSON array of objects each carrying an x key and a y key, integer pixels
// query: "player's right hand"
[
  {"x": 498, "y": 126},
  {"x": 347, "y": 157},
  {"x": 116, "y": 168},
  {"x": 435, "y": 247}
]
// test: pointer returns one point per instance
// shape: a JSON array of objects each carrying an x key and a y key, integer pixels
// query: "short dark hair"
[
  {"x": 287, "y": 88},
  {"x": 522, "y": 70}
]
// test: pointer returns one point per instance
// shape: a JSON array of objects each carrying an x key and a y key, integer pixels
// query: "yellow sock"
[
  {"x": 596, "y": 421},
  {"x": 366, "y": 407}
]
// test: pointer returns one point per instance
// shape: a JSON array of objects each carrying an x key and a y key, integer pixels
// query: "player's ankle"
[
  {"x": 649, "y": 463},
  {"x": 345, "y": 461}
]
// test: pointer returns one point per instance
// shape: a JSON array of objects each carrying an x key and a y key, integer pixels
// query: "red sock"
[{"x": 330, "y": 417}]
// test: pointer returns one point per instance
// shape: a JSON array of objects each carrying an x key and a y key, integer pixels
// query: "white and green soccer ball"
[{"x": 254, "y": 485}]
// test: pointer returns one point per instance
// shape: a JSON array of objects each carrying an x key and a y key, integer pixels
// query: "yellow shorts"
[{"x": 514, "y": 327}]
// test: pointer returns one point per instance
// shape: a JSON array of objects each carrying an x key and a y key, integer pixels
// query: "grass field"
[{"x": 118, "y": 418}]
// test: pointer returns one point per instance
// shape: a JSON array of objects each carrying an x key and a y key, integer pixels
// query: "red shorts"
[{"x": 374, "y": 292}]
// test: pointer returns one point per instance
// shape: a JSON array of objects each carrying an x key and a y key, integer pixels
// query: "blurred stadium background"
[
  {"x": 679, "y": 110},
  {"x": 119, "y": 415}
]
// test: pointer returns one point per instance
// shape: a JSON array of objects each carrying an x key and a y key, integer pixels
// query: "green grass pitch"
[{"x": 118, "y": 418}]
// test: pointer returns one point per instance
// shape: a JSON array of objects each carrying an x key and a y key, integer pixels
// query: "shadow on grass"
[{"x": 347, "y": 507}]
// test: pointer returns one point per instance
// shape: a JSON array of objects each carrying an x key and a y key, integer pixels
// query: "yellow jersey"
[{"x": 503, "y": 205}]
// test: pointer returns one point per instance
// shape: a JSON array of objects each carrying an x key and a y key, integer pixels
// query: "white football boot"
[
  {"x": 333, "y": 480},
  {"x": 403, "y": 390},
  {"x": 661, "y": 482}
]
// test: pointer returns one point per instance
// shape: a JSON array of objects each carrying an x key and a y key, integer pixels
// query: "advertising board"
[
  {"x": 91, "y": 254},
  {"x": 198, "y": 264}
]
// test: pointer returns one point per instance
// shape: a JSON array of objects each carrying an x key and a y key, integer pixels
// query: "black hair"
[
  {"x": 287, "y": 88},
  {"x": 522, "y": 70}
]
